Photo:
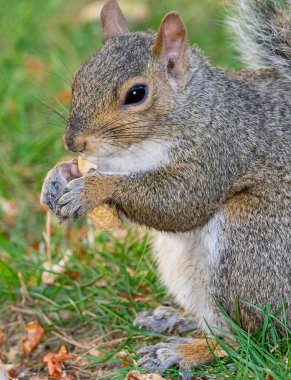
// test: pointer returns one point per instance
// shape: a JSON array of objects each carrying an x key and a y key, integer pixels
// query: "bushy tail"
[{"x": 264, "y": 31}]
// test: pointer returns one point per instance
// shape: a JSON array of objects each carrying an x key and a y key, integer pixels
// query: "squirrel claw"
[
  {"x": 187, "y": 353},
  {"x": 70, "y": 204},
  {"x": 162, "y": 356},
  {"x": 158, "y": 358},
  {"x": 165, "y": 319}
]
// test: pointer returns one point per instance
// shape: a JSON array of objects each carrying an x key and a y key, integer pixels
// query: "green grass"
[{"x": 108, "y": 282}]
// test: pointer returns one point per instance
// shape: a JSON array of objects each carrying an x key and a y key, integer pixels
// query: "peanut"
[{"x": 103, "y": 217}]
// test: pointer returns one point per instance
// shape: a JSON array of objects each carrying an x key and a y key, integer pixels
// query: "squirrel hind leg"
[
  {"x": 165, "y": 319},
  {"x": 187, "y": 353}
]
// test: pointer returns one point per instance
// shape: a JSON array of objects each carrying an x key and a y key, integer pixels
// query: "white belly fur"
[{"x": 184, "y": 261}]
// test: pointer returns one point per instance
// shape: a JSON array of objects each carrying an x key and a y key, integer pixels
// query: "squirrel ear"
[
  {"x": 113, "y": 20},
  {"x": 171, "y": 43}
]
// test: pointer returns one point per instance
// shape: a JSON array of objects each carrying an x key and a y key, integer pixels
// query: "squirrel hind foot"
[
  {"x": 165, "y": 319},
  {"x": 187, "y": 353}
]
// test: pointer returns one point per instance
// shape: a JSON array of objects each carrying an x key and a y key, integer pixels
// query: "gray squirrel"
[{"x": 200, "y": 156}]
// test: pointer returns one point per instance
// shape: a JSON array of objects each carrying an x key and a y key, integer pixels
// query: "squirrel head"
[{"x": 124, "y": 94}]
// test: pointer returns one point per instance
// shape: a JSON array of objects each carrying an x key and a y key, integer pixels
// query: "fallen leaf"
[
  {"x": 63, "y": 351},
  {"x": 12, "y": 374},
  {"x": 135, "y": 375},
  {"x": 1, "y": 337},
  {"x": 34, "y": 335},
  {"x": 12, "y": 354},
  {"x": 268, "y": 377},
  {"x": 7, "y": 372},
  {"x": 34, "y": 64},
  {"x": 124, "y": 356},
  {"x": 36, "y": 67},
  {"x": 95, "y": 352},
  {"x": 54, "y": 363}
]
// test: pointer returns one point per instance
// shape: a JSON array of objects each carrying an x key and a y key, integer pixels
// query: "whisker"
[
  {"x": 43, "y": 103},
  {"x": 69, "y": 72}
]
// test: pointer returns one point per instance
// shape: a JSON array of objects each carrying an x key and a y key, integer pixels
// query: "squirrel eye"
[{"x": 137, "y": 94}]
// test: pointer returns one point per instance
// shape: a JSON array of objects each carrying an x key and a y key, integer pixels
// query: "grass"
[{"x": 108, "y": 277}]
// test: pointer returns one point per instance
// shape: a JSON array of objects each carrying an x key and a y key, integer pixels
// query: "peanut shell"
[{"x": 103, "y": 217}]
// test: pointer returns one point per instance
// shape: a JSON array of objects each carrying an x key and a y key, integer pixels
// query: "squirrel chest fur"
[{"x": 188, "y": 261}]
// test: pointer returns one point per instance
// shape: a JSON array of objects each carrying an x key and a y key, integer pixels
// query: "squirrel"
[{"x": 200, "y": 156}]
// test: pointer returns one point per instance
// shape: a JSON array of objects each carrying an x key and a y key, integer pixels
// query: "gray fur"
[
  {"x": 165, "y": 319},
  {"x": 229, "y": 138},
  {"x": 161, "y": 356},
  {"x": 263, "y": 28}
]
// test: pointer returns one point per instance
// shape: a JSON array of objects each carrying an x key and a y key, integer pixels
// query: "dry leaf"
[
  {"x": 95, "y": 352},
  {"x": 135, "y": 375},
  {"x": 36, "y": 67},
  {"x": 64, "y": 96},
  {"x": 1, "y": 337},
  {"x": 268, "y": 377},
  {"x": 34, "y": 64},
  {"x": 7, "y": 372},
  {"x": 12, "y": 354},
  {"x": 54, "y": 363},
  {"x": 34, "y": 335},
  {"x": 125, "y": 357}
]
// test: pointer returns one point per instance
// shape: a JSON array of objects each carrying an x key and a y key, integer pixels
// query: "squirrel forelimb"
[
  {"x": 68, "y": 194},
  {"x": 103, "y": 217}
]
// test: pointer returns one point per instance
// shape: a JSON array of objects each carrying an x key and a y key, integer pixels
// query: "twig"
[
  {"x": 48, "y": 238},
  {"x": 69, "y": 340}
]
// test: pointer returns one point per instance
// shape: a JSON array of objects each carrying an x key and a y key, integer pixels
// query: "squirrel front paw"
[
  {"x": 72, "y": 203},
  {"x": 56, "y": 181}
]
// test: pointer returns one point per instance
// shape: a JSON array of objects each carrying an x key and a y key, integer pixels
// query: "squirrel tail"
[{"x": 264, "y": 31}]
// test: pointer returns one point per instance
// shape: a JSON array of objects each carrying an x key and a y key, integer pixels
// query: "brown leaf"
[
  {"x": 268, "y": 377},
  {"x": 34, "y": 335},
  {"x": 34, "y": 64},
  {"x": 7, "y": 372},
  {"x": 135, "y": 375},
  {"x": 54, "y": 361},
  {"x": 1, "y": 337},
  {"x": 12, "y": 374},
  {"x": 64, "y": 96},
  {"x": 125, "y": 357}
]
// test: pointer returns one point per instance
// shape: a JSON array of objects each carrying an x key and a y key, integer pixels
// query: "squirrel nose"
[{"x": 74, "y": 144}]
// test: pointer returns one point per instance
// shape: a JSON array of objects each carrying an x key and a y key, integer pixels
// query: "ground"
[{"x": 104, "y": 279}]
